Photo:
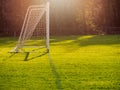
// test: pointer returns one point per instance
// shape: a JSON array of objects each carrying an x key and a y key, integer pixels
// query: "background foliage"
[{"x": 67, "y": 17}]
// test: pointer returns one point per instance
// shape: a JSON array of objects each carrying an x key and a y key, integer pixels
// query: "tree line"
[{"x": 66, "y": 17}]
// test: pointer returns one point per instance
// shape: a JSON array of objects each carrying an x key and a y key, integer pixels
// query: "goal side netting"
[{"x": 35, "y": 30}]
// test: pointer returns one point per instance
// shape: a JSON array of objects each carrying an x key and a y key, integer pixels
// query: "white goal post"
[{"x": 36, "y": 24}]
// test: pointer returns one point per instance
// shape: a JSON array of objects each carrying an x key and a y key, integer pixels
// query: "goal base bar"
[{"x": 35, "y": 50}]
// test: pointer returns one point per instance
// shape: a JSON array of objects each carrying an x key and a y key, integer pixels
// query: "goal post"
[
  {"x": 48, "y": 25},
  {"x": 36, "y": 24}
]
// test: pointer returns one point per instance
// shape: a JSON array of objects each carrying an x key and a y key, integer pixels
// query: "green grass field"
[{"x": 75, "y": 63}]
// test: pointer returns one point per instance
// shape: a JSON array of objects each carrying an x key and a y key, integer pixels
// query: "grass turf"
[{"x": 74, "y": 63}]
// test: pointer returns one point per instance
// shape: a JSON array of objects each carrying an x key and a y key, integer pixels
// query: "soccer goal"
[{"x": 34, "y": 34}]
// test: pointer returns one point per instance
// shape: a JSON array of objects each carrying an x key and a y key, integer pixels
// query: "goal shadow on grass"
[
  {"x": 56, "y": 74},
  {"x": 28, "y": 53},
  {"x": 10, "y": 56},
  {"x": 26, "y": 56}
]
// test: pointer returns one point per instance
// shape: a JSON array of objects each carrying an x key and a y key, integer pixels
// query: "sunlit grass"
[{"x": 75, "y": 63}]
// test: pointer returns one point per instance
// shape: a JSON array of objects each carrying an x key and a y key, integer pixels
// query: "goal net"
[{"x": 34, "y": 34}]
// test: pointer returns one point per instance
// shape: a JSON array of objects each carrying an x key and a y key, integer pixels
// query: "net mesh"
[{"x": 33, "y": 33}]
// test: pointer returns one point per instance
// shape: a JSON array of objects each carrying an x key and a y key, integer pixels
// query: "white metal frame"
[
  {"x": 21, "y": 40},
  {"x": 48, "y": 26}
]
